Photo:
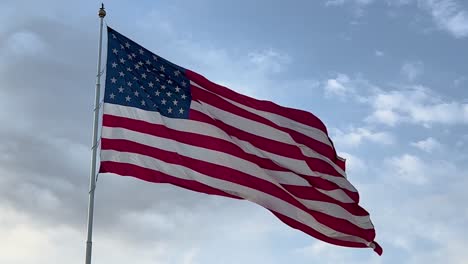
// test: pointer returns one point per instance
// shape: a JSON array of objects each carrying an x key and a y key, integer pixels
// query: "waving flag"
[{"x": 166, "y": 124}]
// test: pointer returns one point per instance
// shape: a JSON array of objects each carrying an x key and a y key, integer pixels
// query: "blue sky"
[{"x": 388, "y": 77}]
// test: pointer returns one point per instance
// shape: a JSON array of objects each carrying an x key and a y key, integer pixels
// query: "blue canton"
[{"x": 136, "y": 77}]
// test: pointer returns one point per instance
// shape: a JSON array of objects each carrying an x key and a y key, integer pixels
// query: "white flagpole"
[{"x": 92, "y": 175}]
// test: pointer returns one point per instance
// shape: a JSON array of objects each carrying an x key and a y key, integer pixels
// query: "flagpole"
[{"x": 92, "y": 175}]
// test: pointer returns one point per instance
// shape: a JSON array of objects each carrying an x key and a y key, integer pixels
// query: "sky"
[{"x": 388, "y": 77}]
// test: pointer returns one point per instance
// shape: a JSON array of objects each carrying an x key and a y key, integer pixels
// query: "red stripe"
[
  {"x": 306, "y": 193},
  {"x": 304, "y": 228},
  {"x": 294, "y": 114},
  {"x": 159, "y": 177},
  {"x": 219, "y": 102},
  {"x": 279, "y": 148},
  {"x": 125, "y": 169},
  {"x": 211, "y": 143},
  {"x": 231, "y": 175}
]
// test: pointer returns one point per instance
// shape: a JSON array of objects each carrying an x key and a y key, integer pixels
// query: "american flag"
[{"x": 166, "y": 124}]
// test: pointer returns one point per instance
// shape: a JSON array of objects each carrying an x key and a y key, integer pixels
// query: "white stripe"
[
  {"x": 268, "y": 201},
  {"x": 338, "y": 212},
  {"x": 259, "y": 129},
  {"x": 338, "y": 195},
  {"x": 184, "y": 125},
  {"x": 280, "y": 120},
  {"x": 232, "y": 162}
]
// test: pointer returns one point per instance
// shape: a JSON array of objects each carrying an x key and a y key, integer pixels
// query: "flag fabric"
[{"x": 166, "y": 124}]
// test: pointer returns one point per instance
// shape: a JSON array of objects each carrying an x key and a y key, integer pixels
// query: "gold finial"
[{"x": 102, "y": 12}]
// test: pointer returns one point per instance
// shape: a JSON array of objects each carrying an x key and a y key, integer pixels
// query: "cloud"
[
  {"x": 270, "y": 60},
  {"x": 379, "y": 53},
  {"x": 342, "y": 2},
  {"x": 47, "y": 73},
  {"x": 416, "y": 104},
  {"x": 356, "y": 136},
  {"x": 412, "y": 70},
  {"x": 354, "y": 164},
  {"x": 345, "y": 87},
  {"x": 338, "y": 86},
  {"x": 428, "y": 145},
  {"x": 409, "y": 168},
  {"x": 358, "y": 6},
  {"x": 448, "y": 15},
  {"x": 429, "y": 211}
]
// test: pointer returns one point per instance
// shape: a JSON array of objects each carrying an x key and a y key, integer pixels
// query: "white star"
[
  {"x": 129, "y": 69},
  {"x": 162, "y": 68},
  {"x": 133, "y": 55},
  {"x": 151, "y": 84},
  {"x": 141, "y": 87},
  {"x": 155, "y": 58},
  {"x": 157, "y": 79},
  {"x": 176, "y": 73},
  {"x": 127, "y": 45},
  {"x": 157, "y": 93},
  {"x": 115, "y": 51},
  {"x": 121, "y": 46},
  {"x": 143, "y": 103},
  {"x": 169, "y": 94},
  {"x": 122, "y": 60},
  {"x": 148, "y": 62},
  {"x": 163, "y": 101},
  {"x": 136, "y": 93},
  {"x": 181, "y": 110},
  {"x": 112, "y": 96},
  {"x": 113, "y": 80},
  {"x": 114, "y": 65},
  {"x": 143, "y": 75},
  {"x": 141, "y": 63},
  {"x": 184, "y": 83},
  {"x": 169, "y": 110},
  {"x": 129, "y": 57},
  {"x": 129, "y": 84},
  {"x": 141, "y": 51},
  {"x": 113, "y": 36},
  {"x": 177, "y": 89},
  {"x": 163, "y": 86},
  {"x": 128, "y": 98},
  {"x": 175, "y": 102},
  {"x": 184, "y": 96},
  {"x": 169, "y": 81},
  {"x": 121, "y": 89},
  {"x": 135, "y": 78},
  {"x": 137, "y": 66},
  {"x": 121, "y": 74}
]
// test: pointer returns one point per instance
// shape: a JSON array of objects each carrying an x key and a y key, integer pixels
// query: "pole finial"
[{"x": 102, "y": 11}]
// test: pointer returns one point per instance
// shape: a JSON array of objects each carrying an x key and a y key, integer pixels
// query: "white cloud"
[
  {"x": 342, "y": 2},
  {"x": 379, "y": 53},
  {"x": 459, "y": 81},
  {"x": 413, "y": 169},
  {"x": 408, "y": 168},
  {"x": 428, "y": 145},
  {"x": 357, "y": 136},
  {"x": 338, "y": 86},
  {"x": 412, "y": 70},
  {"x": 354, "y": 164},
  {"x": 417, "y": 104},
  {"x": 269, "y": 60},
  {"x": 448, "y": 15},
  {"x": 384, "y": 116}
]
